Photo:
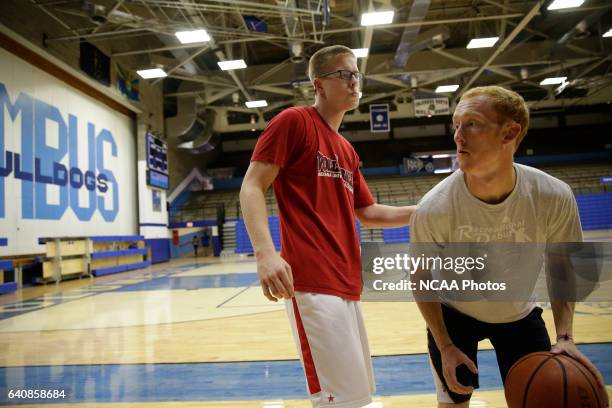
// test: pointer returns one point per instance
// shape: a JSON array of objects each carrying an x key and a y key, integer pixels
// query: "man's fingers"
[
  {"x": 591, "y": 367},
  {"x": 600, "y": 380},
  {"x": 469, "y": 364},
  {"x": 276, "y": 278},
  {"x": 454, "y": 385},
  {"x": 287, "y": 284},
  {"x": 274, "y": 288},
  {"x": 289, "y": 273},
  {"x": 455, "y": 358},
  {"x": 451, "y": 379},
  {"x": 266, "y": 292},
  {"x": 462, "y": 389},
  {"x": 581, "y": 358},
  {"x": 557, "y": 350},
  {"x": 573, "y": 352}
]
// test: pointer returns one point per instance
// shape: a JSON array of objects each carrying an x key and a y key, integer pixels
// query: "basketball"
[{"x": 547, "y": 380}]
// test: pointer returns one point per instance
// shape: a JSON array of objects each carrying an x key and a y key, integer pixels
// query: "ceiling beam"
[
  {"x": 219, "y": 95},
  {"x": 154, "y": 50},
  {"x": 272, "y": 89},
  {"x": 203, "y": 80},
  {"x": 56, "y": 18},
  {"x": 535, "y": 10},
  {"x": 112, "y": 10},
  {"x": 499, "y": 71},
  {"x": 184, "y": 61},
  {"x": 429, "y": 22},
  {"x": 231, "y": 5}
]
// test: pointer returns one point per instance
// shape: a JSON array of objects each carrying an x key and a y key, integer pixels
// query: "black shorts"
[{"x": 511, "y": 341}]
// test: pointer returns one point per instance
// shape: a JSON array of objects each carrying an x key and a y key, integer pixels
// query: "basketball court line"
[
  {"x": 9, "y": 310},
  {"x": 193, "y": 282},
  {"x": 481, "y": 399},
  {"x": 224, "y": 267},
  {"x": 240, "y": 292},
  {"x": 114, "y": 309},
  {"x": 162, "y": 281},
  {"x": 395, "y": 375}
]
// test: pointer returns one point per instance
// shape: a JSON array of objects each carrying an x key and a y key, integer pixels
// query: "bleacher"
[
  {"x": 402, "y": 190},
  {"x": 243, "y": 243},
  {"x": 396, "y": 235},
  {"x": 396, "y": 190},
  {"x": 595, "y": 210},
  {"x": 205, "y": 205},
  {"x": 584, "y": 179}
]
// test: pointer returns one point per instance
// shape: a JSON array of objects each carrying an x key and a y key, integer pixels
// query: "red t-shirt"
[{"x": 317, "y": 189}]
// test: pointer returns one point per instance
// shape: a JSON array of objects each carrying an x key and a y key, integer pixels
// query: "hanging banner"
[
  {"x": 379, "y": 118},
  {"x": 431, "y": 107}
]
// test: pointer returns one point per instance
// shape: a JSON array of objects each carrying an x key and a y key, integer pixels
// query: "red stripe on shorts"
[{"x": 311, "y": 372}]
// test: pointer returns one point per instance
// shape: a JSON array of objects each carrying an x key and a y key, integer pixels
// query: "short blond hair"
[
  {"x": 508, "y": 104},
  {"x": 319, "y": 60}
]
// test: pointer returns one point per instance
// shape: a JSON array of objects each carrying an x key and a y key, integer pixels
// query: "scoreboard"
[{"x": 157, "y": 162}]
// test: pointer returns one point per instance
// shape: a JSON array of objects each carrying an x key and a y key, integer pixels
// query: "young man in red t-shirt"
[{"x": 319, "y": 189}]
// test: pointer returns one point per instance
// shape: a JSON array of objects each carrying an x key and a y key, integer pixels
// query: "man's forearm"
[
  {"x": 385, "y": 216},
  {"x": 563, "y": 313},
  {"x": 432, "y": 313},
  {"x": 253, "y": 205}
]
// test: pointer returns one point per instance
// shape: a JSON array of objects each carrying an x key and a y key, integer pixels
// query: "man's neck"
[
  {"x": 333, "y": 118},
  {"x": 493, "y": 187}
]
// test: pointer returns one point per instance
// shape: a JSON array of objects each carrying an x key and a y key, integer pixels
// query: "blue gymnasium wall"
[
  {"x": 595, "y": 214},
  {"x": 396, "y": 235},
  {"x": 595, "y": 211},
  {"x": 243, "y": 242},
  {"x": 160, "y": 249}
]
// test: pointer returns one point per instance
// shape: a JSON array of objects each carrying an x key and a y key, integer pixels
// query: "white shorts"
[{"x": 331, "y": 339}]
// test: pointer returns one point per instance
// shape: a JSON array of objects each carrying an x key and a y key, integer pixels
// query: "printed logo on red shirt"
[{"x": 327, "y": 167}]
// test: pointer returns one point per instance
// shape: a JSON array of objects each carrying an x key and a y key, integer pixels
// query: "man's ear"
[
  {"x": 318, "y": 86},
  {"x": 511, "y": 132}
]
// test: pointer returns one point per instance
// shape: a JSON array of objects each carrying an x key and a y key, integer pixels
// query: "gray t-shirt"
[{"x": 541, "y": 209}]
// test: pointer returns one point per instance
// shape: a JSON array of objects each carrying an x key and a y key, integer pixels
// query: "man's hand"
[
  {"x": 452, "y": 358},
  {"x": 568, "y": 347},
  {"x": 275, "y": 277}
]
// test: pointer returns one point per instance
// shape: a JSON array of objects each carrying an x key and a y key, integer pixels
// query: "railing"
[
  {"x": 403, "y": 191},
  {"x": 202, "y": 212}
]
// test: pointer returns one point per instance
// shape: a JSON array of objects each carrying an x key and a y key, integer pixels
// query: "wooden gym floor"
[{"x": 199, "y": 333}]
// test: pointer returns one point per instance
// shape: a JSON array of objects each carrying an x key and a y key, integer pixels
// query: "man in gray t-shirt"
[{"x": 492, "y": 199}]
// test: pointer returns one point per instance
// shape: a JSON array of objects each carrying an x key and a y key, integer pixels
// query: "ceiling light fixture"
[
  {"x": 233, "y": 64},
  {"x": 256, "y": 104},
  {"x": 185, "y": 145},
  {"x": 188, "y": 37},
  {"x": 563, "y": 4},
  {"x": 553, "y": 80},
  {"x": 446, "y": 88},
  {"x": 486, "y": 42},
  {"x": 152, "y": 73},
  {"x": 360, "y": 52},
  {"x": 377, "y": 18}
]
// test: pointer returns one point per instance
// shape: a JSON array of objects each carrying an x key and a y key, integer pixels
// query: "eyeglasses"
[
  {"x": 344, "y": 74},
  {"x": 473, "y": 126}
]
